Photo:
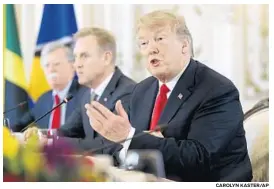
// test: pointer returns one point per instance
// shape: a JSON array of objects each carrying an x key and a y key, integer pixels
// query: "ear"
[
  {"x": 185, "y": 46},
  {"x": 107, "y": 57}
]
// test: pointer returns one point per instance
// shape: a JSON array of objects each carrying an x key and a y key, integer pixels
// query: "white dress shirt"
[
  {"x": 62, "y": 94},
  {"x": 101, "y": 88},
  {"x": 171, "y": 84}
]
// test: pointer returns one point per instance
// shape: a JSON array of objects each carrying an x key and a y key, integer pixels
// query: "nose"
[
  {"x": 77, "y": 63},
  {"x": 153, "y": 48},
  {"x": 51, "y": 68}
]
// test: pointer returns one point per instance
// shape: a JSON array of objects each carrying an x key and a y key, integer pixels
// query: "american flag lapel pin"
[{"x": 180, "y": 96}]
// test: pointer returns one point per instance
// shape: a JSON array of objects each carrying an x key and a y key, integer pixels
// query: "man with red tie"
[
  {"x": 57, "y": 63},
  {"x": 205, "y": 139}
]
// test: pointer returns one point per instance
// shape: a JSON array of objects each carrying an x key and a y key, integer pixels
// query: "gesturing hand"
[{"x": 113, "y": 127}]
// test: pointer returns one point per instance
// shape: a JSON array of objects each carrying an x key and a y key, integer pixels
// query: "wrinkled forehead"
[{"x": 150, "y": 31}]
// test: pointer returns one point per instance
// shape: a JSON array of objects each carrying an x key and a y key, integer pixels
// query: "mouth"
[{"x": 155, "y": 62}]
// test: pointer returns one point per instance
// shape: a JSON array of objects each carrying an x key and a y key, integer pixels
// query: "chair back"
[{"x": 256, "y": 124}]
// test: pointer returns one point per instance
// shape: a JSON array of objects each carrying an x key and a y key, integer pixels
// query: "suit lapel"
[
  {"x": 106, "y": 96},
  {"x": 146, "y": 106},
  {"x": 47, "y": 105},
  {"x": 86, "y": 123},
  {"x": 180, "y": 93}
]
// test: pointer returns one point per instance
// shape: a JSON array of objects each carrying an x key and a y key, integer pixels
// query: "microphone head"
[
  {"x": 68, "y": 98},
  {"x": 23, "y": 103}
]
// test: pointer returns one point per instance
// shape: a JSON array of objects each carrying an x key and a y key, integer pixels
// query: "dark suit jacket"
[
  {"x": 45, "y": 103},
  {"x": 205, "y": 138},
  {"x": 77, "y": 130}
]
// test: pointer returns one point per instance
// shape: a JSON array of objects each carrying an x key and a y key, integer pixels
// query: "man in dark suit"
[
  {"x": 95, "y": 53},
  {"x": 78, "y": 131},
  {"x": 204, "y": 139},
  {"x": 57, "y": 63}
]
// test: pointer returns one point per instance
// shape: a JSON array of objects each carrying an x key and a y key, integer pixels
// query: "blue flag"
[{"x": 58, "y": 23}]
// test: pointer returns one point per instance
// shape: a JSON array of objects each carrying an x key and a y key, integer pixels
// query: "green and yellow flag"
[{"x": 14, "y": 77}]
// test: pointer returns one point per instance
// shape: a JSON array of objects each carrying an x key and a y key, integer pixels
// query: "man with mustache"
[{"x": 57, "y": 63}]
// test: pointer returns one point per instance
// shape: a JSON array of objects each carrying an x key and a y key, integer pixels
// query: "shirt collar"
[
  {"x": 100, "y": 89},
  {"x": 62, "y": 94},
  {"x": 171, "y": 84}
]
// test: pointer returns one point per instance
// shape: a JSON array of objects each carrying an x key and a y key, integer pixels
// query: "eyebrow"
[
  {"x": 140, "y": 38},
  {"x": 51, "y": 62},
  {"x": 81, "y": 54}
]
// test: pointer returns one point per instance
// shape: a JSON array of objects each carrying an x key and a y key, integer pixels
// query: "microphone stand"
[
  {"x": 41, "y": 117},
  {"x": 68, "y": 98}
]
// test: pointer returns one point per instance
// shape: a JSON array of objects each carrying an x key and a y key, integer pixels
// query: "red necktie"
[
  {"x": 56, "y": 119},
  {"x": 160, "y": 103}
]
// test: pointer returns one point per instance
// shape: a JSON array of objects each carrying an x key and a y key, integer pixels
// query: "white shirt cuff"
[{"x": 123, "y": 152}]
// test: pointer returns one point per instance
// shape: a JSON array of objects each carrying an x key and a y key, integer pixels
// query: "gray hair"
[{"x": 52, "y": 46}]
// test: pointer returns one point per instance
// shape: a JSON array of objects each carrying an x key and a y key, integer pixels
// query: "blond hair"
[
  {"x": 162, "y": 18},
  {"x": 105, "y": 39}
]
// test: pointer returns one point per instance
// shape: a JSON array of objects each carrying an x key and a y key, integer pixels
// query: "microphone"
[
  {"x": 20, "y": 105},
  {"x": 161, "y": 127},
  {"x": 68, "y": 98}
]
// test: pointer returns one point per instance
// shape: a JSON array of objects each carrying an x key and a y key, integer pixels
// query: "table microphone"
[
  {"x": 20, "y": 105},
  {"x": 68, "y": 98}
]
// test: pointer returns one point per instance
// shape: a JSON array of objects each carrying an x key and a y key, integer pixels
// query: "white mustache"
[{"x": 52, "y": 75}]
